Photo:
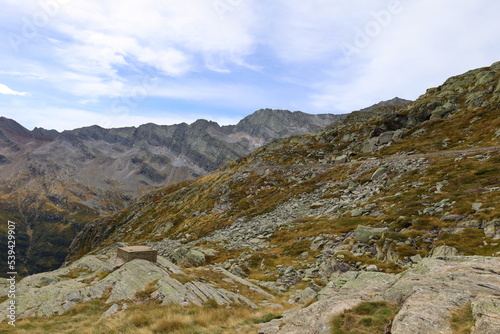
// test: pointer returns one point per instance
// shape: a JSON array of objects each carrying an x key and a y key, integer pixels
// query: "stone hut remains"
[{"x": 137, "y": 252}]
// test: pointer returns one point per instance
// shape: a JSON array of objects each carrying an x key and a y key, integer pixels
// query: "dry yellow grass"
[{"x": 148, "y": 318}]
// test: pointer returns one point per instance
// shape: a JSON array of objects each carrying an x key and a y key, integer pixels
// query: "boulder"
[
  {"x": 195, "y": 257},
  {"x": 492, "y": 229},
  {"x": 342, "y": 159},
  {"x": 385, "y": 137},
  {"x": 369, "y": 145},
  {"x": 379, "y": 173},
  {"x": 365, "y": 233},
  {"x": 443, "y": 251},
  {"x": 124, "y": 283}
]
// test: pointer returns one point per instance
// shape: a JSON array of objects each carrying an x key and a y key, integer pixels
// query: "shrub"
[{"x": 366, "y": 318}]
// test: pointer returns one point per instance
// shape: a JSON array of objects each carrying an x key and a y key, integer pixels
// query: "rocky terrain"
[
  {"x": 384, "y": 222},
  {"x": 53, "y": 183},
  {"x": 425, "y": 295}
]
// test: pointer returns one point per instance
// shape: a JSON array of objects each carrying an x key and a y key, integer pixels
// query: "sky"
[{"x": 66, "y": 64}]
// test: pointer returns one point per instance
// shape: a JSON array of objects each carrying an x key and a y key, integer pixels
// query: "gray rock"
[
  {"x": 122, "y": 284},
  {"x": 385, "y": 137},
  {"x": 342, "y": 159},
  {"x": 416, "y": 258},
  {"x": 492, "y": 229},
  {"x": 237, "y": 270},
  {"x": 357, "y": 212},
  {"x": 452, "y": 218},
  {"x": 111, "y": 311},
  {"x": 195, "y": 257},
  {"x": 274, "y": 286},
  {"x": 306, "y": 295},
  {"x": 381, "y": 172},
  {"x": 443, "y": 251},
  {"x": 476, "y": 206},
  {"x": 398, "y": 134},
  {"x": 365, "y": 233},
  {"x": 369, "y": 145},
  {"x": 318, "y": 242},
  {"x": 486, "y": 311},
  {"x": 469, "y": 224}
]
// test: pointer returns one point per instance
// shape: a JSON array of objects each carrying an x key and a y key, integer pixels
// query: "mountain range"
[{"x": 54, "y": 182}]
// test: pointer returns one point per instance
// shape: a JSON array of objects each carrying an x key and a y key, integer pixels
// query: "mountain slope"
[{"x": 413, "y": 170}]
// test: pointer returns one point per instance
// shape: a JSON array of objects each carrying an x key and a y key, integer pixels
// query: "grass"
[
  {"x": 148, "y": 290},
  {"x": 75, "y": 273},
  {"x": 183, "y": 278},
  {"x": 366, "y": 318},
  {"x": 148, "y": 318},
  {"x": 462, "y": 320},
  {"x": 470, "y": 242}
]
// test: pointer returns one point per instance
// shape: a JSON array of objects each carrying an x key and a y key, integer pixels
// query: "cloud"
[
  {"x": 419, "y": 48},
  {"x": 241, "y": 55},
  {"x": 8, "y": 91}
]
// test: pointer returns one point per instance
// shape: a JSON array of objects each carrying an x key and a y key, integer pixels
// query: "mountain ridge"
[{"x": 60, "y": 180}]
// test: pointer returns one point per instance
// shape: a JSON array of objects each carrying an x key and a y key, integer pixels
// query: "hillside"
[
  {"x": 53, "y": 183},
  {"x": 393, "y": 209},
  {"x": 415, "y": 169}
]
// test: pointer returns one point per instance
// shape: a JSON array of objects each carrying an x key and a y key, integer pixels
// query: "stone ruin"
[{"x": 137, "y": 252}]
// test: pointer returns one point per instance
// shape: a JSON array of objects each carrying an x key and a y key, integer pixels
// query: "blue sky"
[{"x": 73, "y": 63}]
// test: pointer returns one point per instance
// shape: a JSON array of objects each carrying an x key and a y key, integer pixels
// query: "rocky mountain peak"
[
  {"x": 12, "y": 132},
  {"x": 392, "y": 101}
]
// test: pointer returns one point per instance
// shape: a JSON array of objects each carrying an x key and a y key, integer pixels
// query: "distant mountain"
[
  {"x": 393, "y": 101},
  {"x": 52, "y": 183}
]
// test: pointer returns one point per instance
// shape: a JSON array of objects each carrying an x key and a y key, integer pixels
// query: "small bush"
[{"x": 366, "y": 318}]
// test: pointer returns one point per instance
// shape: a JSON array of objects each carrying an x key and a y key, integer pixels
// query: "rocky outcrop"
[
  {"x": 269, "y": 124},
  {"x": 427, "y": 295},
  {"x": 117, "y": 283}
]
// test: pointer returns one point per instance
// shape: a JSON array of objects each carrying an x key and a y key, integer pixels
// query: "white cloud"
[
  {"x": 422, "y": 46},
  {"x": 8, "y": 91},
  {"x": 104, "y": 44},
  {"x": 167, "y": 29},
  {"x": 248, "y": 52}
]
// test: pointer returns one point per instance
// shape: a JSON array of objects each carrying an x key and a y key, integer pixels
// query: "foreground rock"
[
  {"x": 427, "y": 295},
  {"x": 94, "y": 277}
]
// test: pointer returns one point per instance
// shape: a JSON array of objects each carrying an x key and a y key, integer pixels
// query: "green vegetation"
[{"x": 366, "y": 318}]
